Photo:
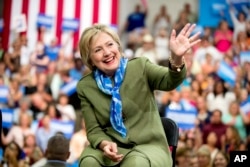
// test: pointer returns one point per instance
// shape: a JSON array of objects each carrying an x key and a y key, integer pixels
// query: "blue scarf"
[{"x": 105, "y": 85}]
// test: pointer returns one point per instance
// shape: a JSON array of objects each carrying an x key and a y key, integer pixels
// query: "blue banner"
[
  {"x": 66, "y": 127},
  {"x": 69, "y": 88},
  {"x": 4, "y": 92},
  {"x": 245, "y": 106},
  {"x": 226, "y": 73},
  {"x": 185, "y": 115},
  {"x": 1, "y": 25},
  {"x": 7, "y": 117},
  {"x": 211, "y": 12},
  {"x": 244, "y": 57},
  {"x": 44, "y": 21},
  {"x": 70, "y": 24}
]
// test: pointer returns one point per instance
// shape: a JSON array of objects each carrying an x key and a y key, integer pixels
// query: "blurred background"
[{"x": 40, "y": 65}]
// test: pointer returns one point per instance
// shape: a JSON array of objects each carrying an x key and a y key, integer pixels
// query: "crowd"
[{"x": 39, "y": 83}]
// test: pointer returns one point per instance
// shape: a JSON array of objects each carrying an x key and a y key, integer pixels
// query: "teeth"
[{"x": 106, "y": 61}]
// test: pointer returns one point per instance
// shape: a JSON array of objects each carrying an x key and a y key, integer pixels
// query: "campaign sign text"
[{"x": 239, "y": 159}]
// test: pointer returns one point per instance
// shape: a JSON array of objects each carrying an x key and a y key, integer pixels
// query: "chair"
[{"x": 172, "y": 134}]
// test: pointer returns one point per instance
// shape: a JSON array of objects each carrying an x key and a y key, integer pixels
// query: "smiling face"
[
  {"x": 220, "y": 160},
  {"x": 104, "y": 53}
]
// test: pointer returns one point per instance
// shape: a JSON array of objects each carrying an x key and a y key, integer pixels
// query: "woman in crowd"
[
  {"x": 13, "y": 156},
  {"x": 235, "y": 117},
  {"x": 122, "y": 127},
  {"x": 221, "y": 160},
  {"x": 32, "y": 151},
  {"x": 18, "y": 132}
]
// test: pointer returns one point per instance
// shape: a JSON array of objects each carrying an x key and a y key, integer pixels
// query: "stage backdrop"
[{"x": 60, "y": 17}]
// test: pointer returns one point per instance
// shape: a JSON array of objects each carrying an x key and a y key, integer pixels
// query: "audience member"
[
  {"x": 13, "y": 156},
  {"x": 33, "y": 153},
  {"x": 24, "y": 107},
  {"x": 44, "y": 132},
  {"x": 18, "y": 132},
  {"x": 57, "y": 151},
  {"x": 221, "y": 160},
  {"x": 220, "y": 97},
  {"x": 162, "y": 46},
  {"x": 236, "y": 118},
  {"x": 231, "y": 141},
  {"x": 204, "y": 157},
  {"x": 162, "y": 21},
  {"x": 223, "y": 36},
  {"x": 182, "y": 157},
  {"x": 136, "y": 20},
  {"x": 78, "y": 143},
  {"x": 148, "y": 49},
  {"x": 66, "y": 110},
  {"x": 216, "y": 125}
]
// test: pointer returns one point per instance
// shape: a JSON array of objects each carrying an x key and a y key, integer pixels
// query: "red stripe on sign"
[
  {"x": 59, "y": 20},
  {"x": 25, "y": 9},
  {"x": 6, "y": 20},
  {"x": 114, "y": 12},
  {"x": 42, "y": 7},
  {"x": 77, "y": 16},
  {"x": 95, "y": 11}
]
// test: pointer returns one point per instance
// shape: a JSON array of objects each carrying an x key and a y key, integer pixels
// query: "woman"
[
  {"x": 220, "y": 97},
  {"x": 116, "y": 134},
  {"x": 32, "y": 151},
  {"x": 231, "y": 141},
  {"x": 221, "y": 160},
  {"x": 235, "y": 117},
  {"x": 18, "y": 132},
  {"x": 13, "y": 156},
  {"x": 223, "y": 36}
]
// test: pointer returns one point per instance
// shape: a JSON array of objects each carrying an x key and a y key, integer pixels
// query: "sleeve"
[
  {"x": 162, "y": 78},
  {"x": 233, "y": 17},
  {"x": 10, "y": 135},
  {"x": 95, "y": 133}
]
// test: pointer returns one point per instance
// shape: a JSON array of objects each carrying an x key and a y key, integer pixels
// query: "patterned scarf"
[{"x": 105, "y": 85}]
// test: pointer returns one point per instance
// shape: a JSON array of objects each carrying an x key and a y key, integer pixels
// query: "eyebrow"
[{"x": 104, "y": 44}]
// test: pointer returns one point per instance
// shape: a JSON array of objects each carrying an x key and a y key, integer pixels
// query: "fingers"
[
  {"x": 194, "y": 39},
  {"x": 185, "y": 29},
  {"x": 173, "y": 35},
  {"x": 110, "y": 151},
  {"x": 114, "y": 147},
  {"x": 189, "y": 30},
  {"x": 114, "y": 156}
]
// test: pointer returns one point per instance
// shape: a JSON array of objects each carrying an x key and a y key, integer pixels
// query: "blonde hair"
[{"x": 86, "y": 38}]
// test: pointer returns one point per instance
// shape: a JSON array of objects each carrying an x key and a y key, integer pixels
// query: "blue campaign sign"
[
  {"x": 245, "y": 106},
  {"x": 185, "y": 115},
  {"x": 70, "y": 24},
  {"x": 211, "y": 12},
  {"x": 1, "y": 25},
  {"x": 69, "y": 88},
  {"x": 244, "y": 57},
  {"x": 226, "y": 73},
  {"x": 44, "y": 21},
  {"x": 7, "y": 117},
  {"x": 4, "y": 92},
  {"x": 66, "y": 127}
]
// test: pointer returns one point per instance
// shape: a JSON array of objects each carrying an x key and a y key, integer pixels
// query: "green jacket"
[{"x": 141, "y": 116}]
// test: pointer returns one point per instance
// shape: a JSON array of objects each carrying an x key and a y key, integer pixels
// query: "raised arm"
[{"x": 181, "y": 43}]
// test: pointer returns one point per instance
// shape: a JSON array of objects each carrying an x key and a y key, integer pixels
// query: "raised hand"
[{"x": 182, "y": 42}]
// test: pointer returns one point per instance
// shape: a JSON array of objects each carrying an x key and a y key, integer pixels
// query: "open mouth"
[{"x": 109, "y": 60}]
